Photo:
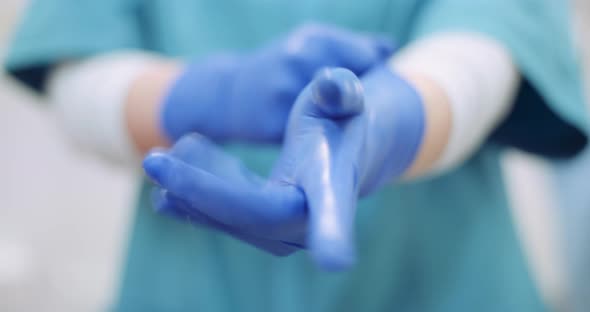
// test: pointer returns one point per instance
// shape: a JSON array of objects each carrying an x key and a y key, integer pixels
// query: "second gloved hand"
[
  {"x": 247, "y": 97},
  {"x": 345, "y": 138}
]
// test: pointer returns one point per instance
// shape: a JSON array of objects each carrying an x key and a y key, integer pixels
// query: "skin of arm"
[{"x": 142, "y": 105}]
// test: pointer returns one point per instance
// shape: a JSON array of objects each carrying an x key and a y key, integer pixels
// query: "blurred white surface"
[{"x": 64, "y": 216}]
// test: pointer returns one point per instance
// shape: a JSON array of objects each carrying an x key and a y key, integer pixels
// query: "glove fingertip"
[
  {"x": 338, "y": 93},
  {"x": 155, "y": 164},
  {"x": 384, "y": 46},
  {"x": 159, "y": 200},
  {"x": 333, "y": 254}
]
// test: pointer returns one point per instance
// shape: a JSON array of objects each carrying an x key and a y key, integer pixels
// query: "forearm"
[
  {"x": 467, "y": 83},
  {"x": 109, "y": 104}
]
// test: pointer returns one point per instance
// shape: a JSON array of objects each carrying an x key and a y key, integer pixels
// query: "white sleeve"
[
  {"x": 479, "y": 78},
  {"x": 89, "y": 98}
]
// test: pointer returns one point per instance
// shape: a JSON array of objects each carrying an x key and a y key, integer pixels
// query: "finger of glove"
[
  {"x": 332, "y": 201},
  {"x": 360, "y": 52},
  {"x": 197, "y": 150},
  {"x": 329, "y": 184},
  {"x": 174, "y": 207},
  {"x": 248, "y": 205},
  {"x": 334, "y": 94},
  {"x": 385, "y": 47},
  {"x": 329, "y": 177},
  {"x": 323, "y": 46}
]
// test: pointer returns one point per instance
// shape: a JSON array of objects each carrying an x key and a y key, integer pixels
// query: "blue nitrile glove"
[
  {"x": 200, "y": 183},
  {"x": 344, "y": 139},
  {"x": 247, "y": 97}
]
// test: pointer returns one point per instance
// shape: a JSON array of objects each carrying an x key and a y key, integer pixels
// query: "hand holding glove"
[
  {"x": 247, "y": 97},
  {"x": 345, "y": 138}
]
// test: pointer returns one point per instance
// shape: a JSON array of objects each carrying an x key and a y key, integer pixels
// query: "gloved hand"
[
  {"x": 344, "y": 139},
  {"x": 202, "y": 184},
  {"x": 247, "y": 97}
]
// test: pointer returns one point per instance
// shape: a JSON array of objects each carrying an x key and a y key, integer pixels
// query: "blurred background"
[{"x": 64, "y": 216}]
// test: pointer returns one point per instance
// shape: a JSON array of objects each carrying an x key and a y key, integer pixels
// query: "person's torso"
[
  {"x": 195, "y": 28},
  {"x": 444, "y": 244}
]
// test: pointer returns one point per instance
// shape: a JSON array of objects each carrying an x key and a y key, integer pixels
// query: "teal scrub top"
[{"x": 441, "y": 244}]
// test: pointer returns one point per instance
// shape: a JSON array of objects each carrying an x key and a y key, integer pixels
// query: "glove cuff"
[{"x": 395, "y": 128}]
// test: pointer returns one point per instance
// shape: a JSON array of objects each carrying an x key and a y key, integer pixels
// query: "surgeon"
[{"x": 297, "y": 129}]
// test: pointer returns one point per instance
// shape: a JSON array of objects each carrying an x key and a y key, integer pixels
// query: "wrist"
[
  {"x": 437, "y": 123},
  {"x": 468, "y": 83},
  {"x": 143, "y": 105},
  {"x": 397, "y": 123}
]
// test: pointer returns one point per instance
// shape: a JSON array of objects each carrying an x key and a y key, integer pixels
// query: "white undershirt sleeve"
[
  {"x": 480, "y": 79},
  {"x": 89, "y": 98}
]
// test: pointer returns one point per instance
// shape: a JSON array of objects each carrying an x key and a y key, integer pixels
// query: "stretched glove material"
[
  {"x": 345, "y": 138},
  {"x": 247, "y": 97}
]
